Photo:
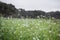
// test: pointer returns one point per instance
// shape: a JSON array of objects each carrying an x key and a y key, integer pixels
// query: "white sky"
[{"x": 45, "y": 5}]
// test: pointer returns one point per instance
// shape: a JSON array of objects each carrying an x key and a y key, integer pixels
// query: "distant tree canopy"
[{"x": 9, "y": 10}]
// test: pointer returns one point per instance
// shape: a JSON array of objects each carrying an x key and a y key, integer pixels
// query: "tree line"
[{"x": 9, "y": 10}]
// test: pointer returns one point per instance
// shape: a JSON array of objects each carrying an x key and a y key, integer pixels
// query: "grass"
[{"x": 29, "y": 29}]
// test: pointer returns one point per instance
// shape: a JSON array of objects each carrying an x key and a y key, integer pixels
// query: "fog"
[{"x": 45, "y": 5}]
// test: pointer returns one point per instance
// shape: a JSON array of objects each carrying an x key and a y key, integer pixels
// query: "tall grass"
[{"x": 29, "y": 29}]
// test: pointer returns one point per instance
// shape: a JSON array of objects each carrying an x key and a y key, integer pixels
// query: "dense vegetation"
[
  {"x": 9, "y": 10},
  {"x": 29, "y": 29}
]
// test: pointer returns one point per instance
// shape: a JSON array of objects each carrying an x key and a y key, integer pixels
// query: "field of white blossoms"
[{"x": 29, "y": 29}]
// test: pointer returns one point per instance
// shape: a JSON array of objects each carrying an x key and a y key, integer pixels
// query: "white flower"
[
  {"x": 58, "y": 34},
  {"x": 26, "y": 25},
  {"x": 21, "y": 36},
  {"x": 34, "y": 38},
  {"x": 40, "y": 29},
  {"x": 44, "y": 35},
  {"x": 37, "y": 38},
  {"x": 54, "y": 23},
  {"x": 14, "y": 32},
  {"x": 36, "y": 26},
  {"x": 8, "y": 17},
  {"x": 50, "y": 31},
  {"x": 40, "y": 21},
  {"x": 18, "y": 24},
  {"x": 20, "y": 31}
]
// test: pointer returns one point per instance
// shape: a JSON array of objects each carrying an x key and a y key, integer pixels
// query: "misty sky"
[{"x": 45, "y": 5}]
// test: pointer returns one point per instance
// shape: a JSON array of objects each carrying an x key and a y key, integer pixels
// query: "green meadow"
[{"x": 29, "y": 29}]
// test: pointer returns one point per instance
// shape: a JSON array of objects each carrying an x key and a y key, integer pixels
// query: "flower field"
[{"x": 29, "y": 29}]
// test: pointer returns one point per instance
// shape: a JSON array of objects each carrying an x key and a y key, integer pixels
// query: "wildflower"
[
  {"x": 34, "y": 38},
  {"x": 58, "y": 34},
  {"x": 50, "y": 31},
  {"x": 36, "y": 26},
  {"x": 18, "y": 24},
  {"x": 37, "y": 38}
]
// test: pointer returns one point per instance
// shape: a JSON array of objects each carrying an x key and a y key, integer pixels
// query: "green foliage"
[{"x": 29, "y": 29}]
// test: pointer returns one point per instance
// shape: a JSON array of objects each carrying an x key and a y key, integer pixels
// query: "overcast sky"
[{"x": 45, "y": 5}]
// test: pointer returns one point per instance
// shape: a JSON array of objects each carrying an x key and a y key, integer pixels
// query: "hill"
[{"x": 9, "y": 10}]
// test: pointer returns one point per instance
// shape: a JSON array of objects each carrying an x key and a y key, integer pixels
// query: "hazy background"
[{"x": 45, "y": 5}]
